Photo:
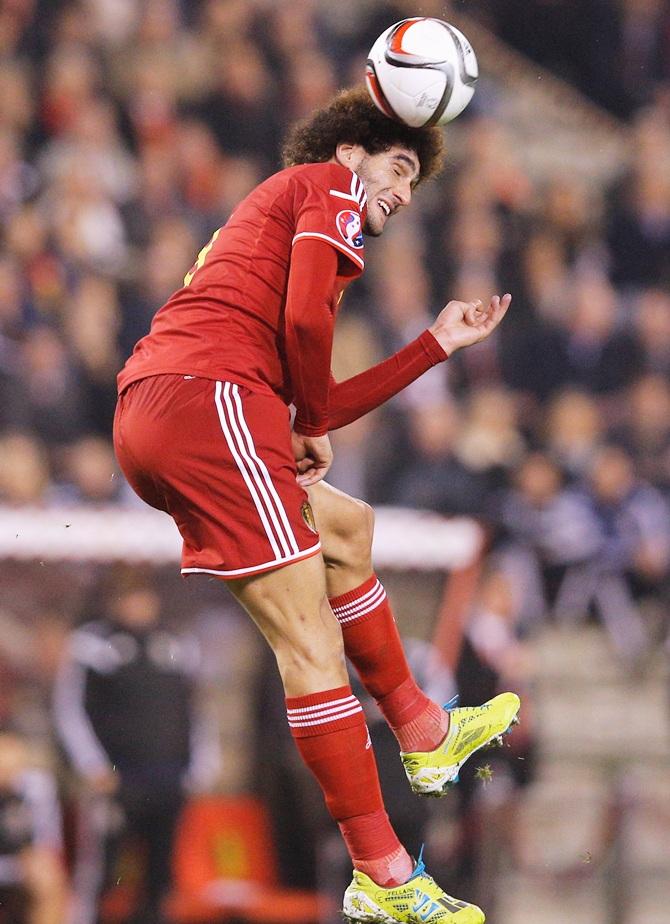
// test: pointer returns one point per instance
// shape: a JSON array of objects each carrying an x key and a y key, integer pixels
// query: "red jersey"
[{"x": 228, "y": 321}]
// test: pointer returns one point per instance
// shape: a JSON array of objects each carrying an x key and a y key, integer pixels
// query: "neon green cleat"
[
  {"x": 418, "y": 901},
  {"x": 431, "y": 773}
]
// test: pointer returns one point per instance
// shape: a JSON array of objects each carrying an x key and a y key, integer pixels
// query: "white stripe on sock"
[
  {"x": 302, "y": 710},
  {"x": 324, "y": 721},
  {"x": 365, "y": 604}
]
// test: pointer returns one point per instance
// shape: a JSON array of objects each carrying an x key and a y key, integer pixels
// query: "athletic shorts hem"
[{"x": 256, "y": 569}]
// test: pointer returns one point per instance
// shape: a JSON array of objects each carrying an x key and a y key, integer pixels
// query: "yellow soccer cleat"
[
  {"x": 418, "y": 901},
  {"x": 431, "y": 773}
]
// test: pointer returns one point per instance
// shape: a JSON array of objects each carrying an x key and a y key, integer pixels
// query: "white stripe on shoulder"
[{"x": 343, "y": 195}]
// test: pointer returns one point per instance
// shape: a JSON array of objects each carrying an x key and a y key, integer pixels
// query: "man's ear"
[{"x": 348, "y": 154}]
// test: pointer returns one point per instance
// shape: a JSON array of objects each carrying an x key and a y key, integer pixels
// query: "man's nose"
[{"x": 403, "y": 193}]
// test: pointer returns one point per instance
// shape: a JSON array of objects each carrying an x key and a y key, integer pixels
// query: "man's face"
[{"x": 389, "y": 179}]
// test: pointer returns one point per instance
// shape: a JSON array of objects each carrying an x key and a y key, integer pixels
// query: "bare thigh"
[{"x": 290, "y": 607}]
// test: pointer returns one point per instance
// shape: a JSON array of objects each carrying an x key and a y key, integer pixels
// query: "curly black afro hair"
[{"x": 352, "y": 117}]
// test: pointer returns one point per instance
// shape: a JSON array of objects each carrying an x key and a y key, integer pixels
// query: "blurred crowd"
[{"x": 129, "y": 129}]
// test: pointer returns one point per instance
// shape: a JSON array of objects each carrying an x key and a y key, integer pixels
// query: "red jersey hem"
[{"x": 219, "y": 376}]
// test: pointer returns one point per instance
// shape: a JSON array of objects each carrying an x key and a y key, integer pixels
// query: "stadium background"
[{"x": 128, "y": 131}]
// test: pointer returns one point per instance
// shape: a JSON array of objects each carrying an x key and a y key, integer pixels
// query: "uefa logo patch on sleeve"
[{"x": 349, "y": 225}]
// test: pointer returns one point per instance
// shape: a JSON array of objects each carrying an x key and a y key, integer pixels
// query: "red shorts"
[{"x": 217, "y": 457}]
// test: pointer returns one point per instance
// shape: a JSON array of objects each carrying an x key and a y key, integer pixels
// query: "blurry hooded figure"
[{"x": 126, "y": 712}]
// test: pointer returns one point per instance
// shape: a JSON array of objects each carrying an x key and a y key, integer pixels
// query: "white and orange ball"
[{"x": 421, "y": 71}]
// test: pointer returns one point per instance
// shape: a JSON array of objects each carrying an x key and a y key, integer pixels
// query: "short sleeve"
[{"x": 330, "y": 206}]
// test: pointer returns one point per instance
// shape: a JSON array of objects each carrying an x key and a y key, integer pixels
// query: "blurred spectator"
[
  {"x": 242, "y": 105},
  {"x": 92, "y": 323},
  {"x": 652, "y": 328},
  {"x": 90, "y": 474},
  {"x": 572, "y": 430},
  {"x": 52, "y": 386},
  {"x": 33, "y": 886},
  {"x": 550, "y": 528},
  {"x": 598, "y": 354},
  {"x": 24, "y": 470},
  {"x": 490, "y": 441},
  {"x": 632, "y": 556},
  {"x": 125, "y": 706},
  {"x": 638, "y": 228},
  {"x": 645, "y": 430},
  {"x": 433, "y": 476}
]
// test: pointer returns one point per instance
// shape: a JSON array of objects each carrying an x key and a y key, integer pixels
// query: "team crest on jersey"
[
  {"x": 349, "y": 225},
  {"x": 308, "y": 516}
]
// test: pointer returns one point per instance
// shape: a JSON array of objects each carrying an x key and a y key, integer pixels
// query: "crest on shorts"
[
  {"x": 308, "y": 515},
  {"x": 349, "y": 225}
]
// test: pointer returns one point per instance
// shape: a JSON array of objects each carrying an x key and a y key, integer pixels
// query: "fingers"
[
  {"x": 495, "y": 312},
  {"x": 474, "y": 314},
  {"x": 498, "y": 308},
  {"x": 313, "y": 474}
]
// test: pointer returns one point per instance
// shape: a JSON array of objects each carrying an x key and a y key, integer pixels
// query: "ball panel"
[
  {"x": 417, "y": 94},
  {"x": 376, "y": 92},
  {"x": 425, "y": 38}
]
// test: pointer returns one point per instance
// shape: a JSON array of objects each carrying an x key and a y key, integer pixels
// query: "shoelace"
[{"x": 420, "y": 868}]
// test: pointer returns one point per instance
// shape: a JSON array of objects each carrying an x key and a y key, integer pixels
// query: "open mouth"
[{"x": 385, "y": 207}]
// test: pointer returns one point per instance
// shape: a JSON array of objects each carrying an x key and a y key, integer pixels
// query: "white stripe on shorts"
[
  {"x": 289, "y": 534},
  {"x": 247, "y": 461}
]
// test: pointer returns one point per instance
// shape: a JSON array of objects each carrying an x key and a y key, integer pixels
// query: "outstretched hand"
[{"x": 461, "y": 324}]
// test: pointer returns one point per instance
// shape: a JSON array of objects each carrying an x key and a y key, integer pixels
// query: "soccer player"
[{"x": 203, "y": 432}]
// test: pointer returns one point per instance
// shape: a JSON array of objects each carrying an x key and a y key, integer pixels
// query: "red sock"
[
  {"x": 373, "y": 645},
  {"x": 330, "y": 732}
]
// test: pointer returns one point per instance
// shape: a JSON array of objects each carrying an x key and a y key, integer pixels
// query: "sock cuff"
[
  {"x": 324, "y": 712},
  {"x": 358, "y": 603}
]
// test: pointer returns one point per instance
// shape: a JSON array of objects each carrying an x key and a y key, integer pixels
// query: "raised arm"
[{"x": 459, "y": 324}]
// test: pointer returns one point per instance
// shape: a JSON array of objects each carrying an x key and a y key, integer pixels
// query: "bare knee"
[
  {"x": 356, "y": 528},
  {"x": 347, "y": 529}
]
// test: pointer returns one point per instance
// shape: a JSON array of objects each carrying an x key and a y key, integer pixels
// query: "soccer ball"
[{"x": 421, "y": 71}]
